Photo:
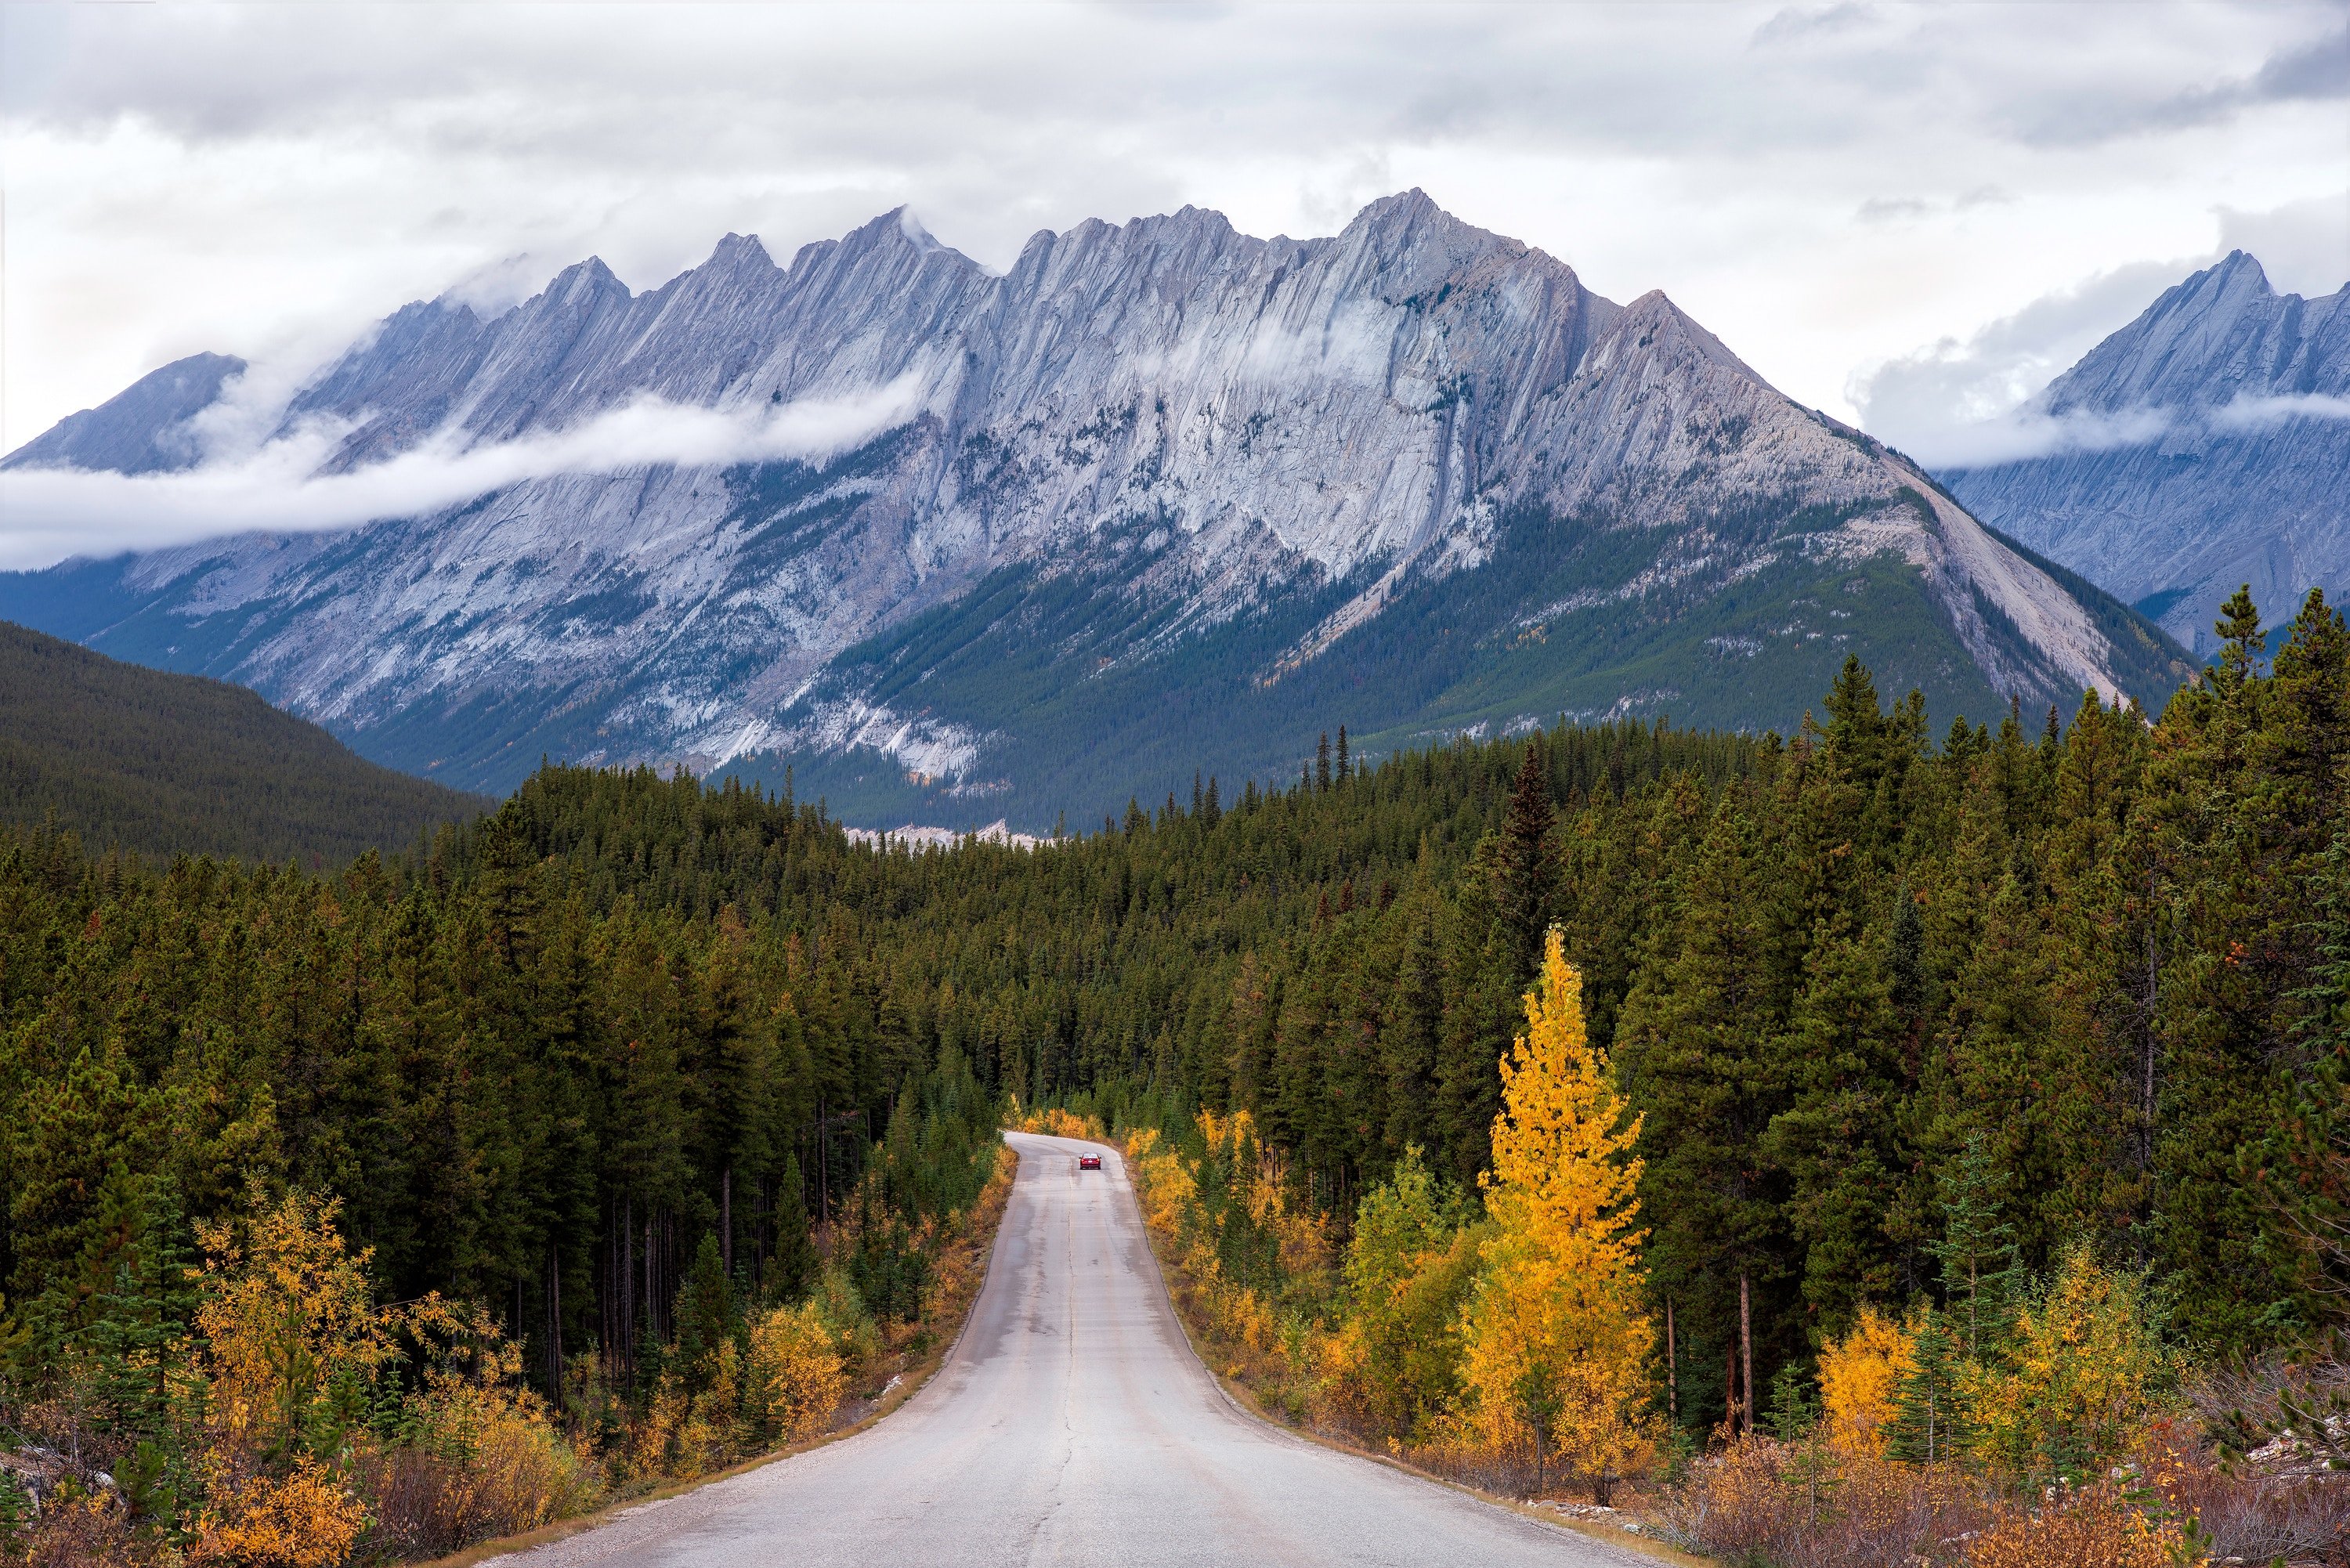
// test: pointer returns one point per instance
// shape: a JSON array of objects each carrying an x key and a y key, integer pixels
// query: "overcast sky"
[{"x": 1908, "y": 215}]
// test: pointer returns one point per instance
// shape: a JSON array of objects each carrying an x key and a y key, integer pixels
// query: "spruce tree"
[
  {"x": 1526, "y": 867},
  {"x": 1926, "y": 1426},
  {"x": 1977, "y": 1250}
]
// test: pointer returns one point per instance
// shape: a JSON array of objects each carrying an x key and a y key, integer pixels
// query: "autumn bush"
[
  {"x": 793, "y": 1378},
  {"x": 1810, "y": 1504},
  {"x": 1055, "y": 1121},
  {"x": 2096, "y": 1527}
]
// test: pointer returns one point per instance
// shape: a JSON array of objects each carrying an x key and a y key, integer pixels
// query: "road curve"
[{"x": 1072, "y": 1424}]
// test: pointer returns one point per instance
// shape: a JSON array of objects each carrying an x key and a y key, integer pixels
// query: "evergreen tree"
[
  {"x": 1525, "y": 867},
  {"x": 1927, "y": 1426},
  {"x": 1977, "y": 1251},
  {"x": 791, "y": 1273},
  {"x": 139, "y": 1319}
]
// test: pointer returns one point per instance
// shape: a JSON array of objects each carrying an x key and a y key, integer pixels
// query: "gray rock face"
[
  {"x": 1192, "y": 430},
  {"x": 143, "y": 429},
  {"x": 2240, "y": 398}
]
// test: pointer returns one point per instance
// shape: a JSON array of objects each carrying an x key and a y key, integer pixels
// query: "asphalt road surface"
[{"x": 1073, "y": 1424}]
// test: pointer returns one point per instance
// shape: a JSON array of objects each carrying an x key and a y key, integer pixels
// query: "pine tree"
[
  {"x": 1527, "y": 867},
  {"x": 792, "y": 1271},
  {"x": 139, "y": 1324},
  {"x": 706, "y": 1318},
  {"x": 2306, "y": 1164}
]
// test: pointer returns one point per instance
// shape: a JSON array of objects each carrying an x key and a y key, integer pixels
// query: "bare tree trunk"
[
  {"x": 555, "y": 1323},
  {"x": 1672, "y": 1368},
  {"x": 627, "y": 1283},
  {"x": 1746, "y": 1344},
  {"x": 652, "y": 1312},
  {"x": 726, "y": 1219},
  {"x": 1730, "y": 1386}
]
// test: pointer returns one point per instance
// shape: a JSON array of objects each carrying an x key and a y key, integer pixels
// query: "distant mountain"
[
  {"x": 144, "y": 429},
  {"x": 2215, "y": 451},
  {"x": 165, "y": 764},
  {"x": 1162, "y": 496}
]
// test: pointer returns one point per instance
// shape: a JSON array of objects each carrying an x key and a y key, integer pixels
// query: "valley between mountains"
[{"x": 1160, "y": 500}]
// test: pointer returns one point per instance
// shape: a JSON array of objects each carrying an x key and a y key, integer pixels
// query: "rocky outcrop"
[{"x": 2207, "y": 444}]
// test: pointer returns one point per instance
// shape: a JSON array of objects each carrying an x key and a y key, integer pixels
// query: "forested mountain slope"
[
  {"x": 161, "y": 764},
  {"x": 1162, "y": 496}
]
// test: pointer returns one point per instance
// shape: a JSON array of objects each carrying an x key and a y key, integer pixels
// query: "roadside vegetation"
[{"x": 2006, "y": 1422}]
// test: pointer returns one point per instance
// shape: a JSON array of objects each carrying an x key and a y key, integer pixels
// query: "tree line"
[{"x": 543, "y": 1057}]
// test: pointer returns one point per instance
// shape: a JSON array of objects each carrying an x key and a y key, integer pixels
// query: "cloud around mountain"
[{"x": 278, "y": 487}]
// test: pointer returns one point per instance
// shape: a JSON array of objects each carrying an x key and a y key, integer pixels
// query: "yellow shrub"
[
  {"x": 1860, "y": 1377},
  {"x": 286, "y": 1312},
  {"x": 2081, "y": 1375},
  {"x": 1055, "y": 1122},
  {"x": 2095, "y": 1528},
  {"x": 305, "y": 1520},
  {"x": 795, "y": 1380}
]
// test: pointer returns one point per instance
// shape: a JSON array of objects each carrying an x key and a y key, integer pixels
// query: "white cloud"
[
  {"x": 277, "y": 488},
  {"x": 1958, "y": 403},
  {"x": 2254, "y": 413},
  {"x": 1826, "y": 186}
]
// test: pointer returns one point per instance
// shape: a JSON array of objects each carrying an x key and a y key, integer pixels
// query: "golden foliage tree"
[
  {"x": 1556, "y": 1345},
  {"x": 1860, "y": 1382},
  {"x": 794, "y": 1375},
  {"x": 289, "y": 1323},
  {"x": 2080, "y": 1375}
]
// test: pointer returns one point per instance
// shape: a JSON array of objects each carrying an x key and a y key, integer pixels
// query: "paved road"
[{"x": 1073, "y": 1424}]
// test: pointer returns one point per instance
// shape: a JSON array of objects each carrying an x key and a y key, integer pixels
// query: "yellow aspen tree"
[
  {"x": 1860, "y": 1382},
  {"x": 1556, "y": 1345}
]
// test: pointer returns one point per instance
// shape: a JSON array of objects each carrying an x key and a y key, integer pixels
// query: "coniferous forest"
[{"x": 595, "y": 1069}]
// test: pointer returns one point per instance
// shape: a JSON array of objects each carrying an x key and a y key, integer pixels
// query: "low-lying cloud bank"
[
  {"x": 2029, "y": 433},
  {"x": 54, "y": 514}
]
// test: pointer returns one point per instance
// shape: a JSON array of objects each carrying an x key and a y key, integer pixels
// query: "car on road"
[{"x": 1088, "y": 1162}]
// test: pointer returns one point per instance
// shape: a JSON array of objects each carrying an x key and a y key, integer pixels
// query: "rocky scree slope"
[
  {"x": 2215, "y": 451},
  {"x": 1162, "y": 495}
]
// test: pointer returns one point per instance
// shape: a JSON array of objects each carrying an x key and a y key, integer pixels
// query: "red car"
[{"x": 1088, "y": 1162}]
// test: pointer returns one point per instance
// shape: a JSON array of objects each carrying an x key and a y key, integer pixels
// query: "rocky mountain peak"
[
  {"x": 143, "y": 429},
  {"x": 1414, "y": 471},
  {"x": 2221, "y": 334},
  {"x": 2214, "y": 455}
]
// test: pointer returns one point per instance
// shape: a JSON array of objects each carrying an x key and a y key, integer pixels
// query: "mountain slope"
[
  {"x": 167, "y": 764},
  {"x": 2217, "y": 452},
  {"x": 1161, "y": 495}
]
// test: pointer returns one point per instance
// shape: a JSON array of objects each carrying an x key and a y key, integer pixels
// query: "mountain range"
[
  {"x": 2207, "y": 445},
  {"x": 962, "y": 547}
]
